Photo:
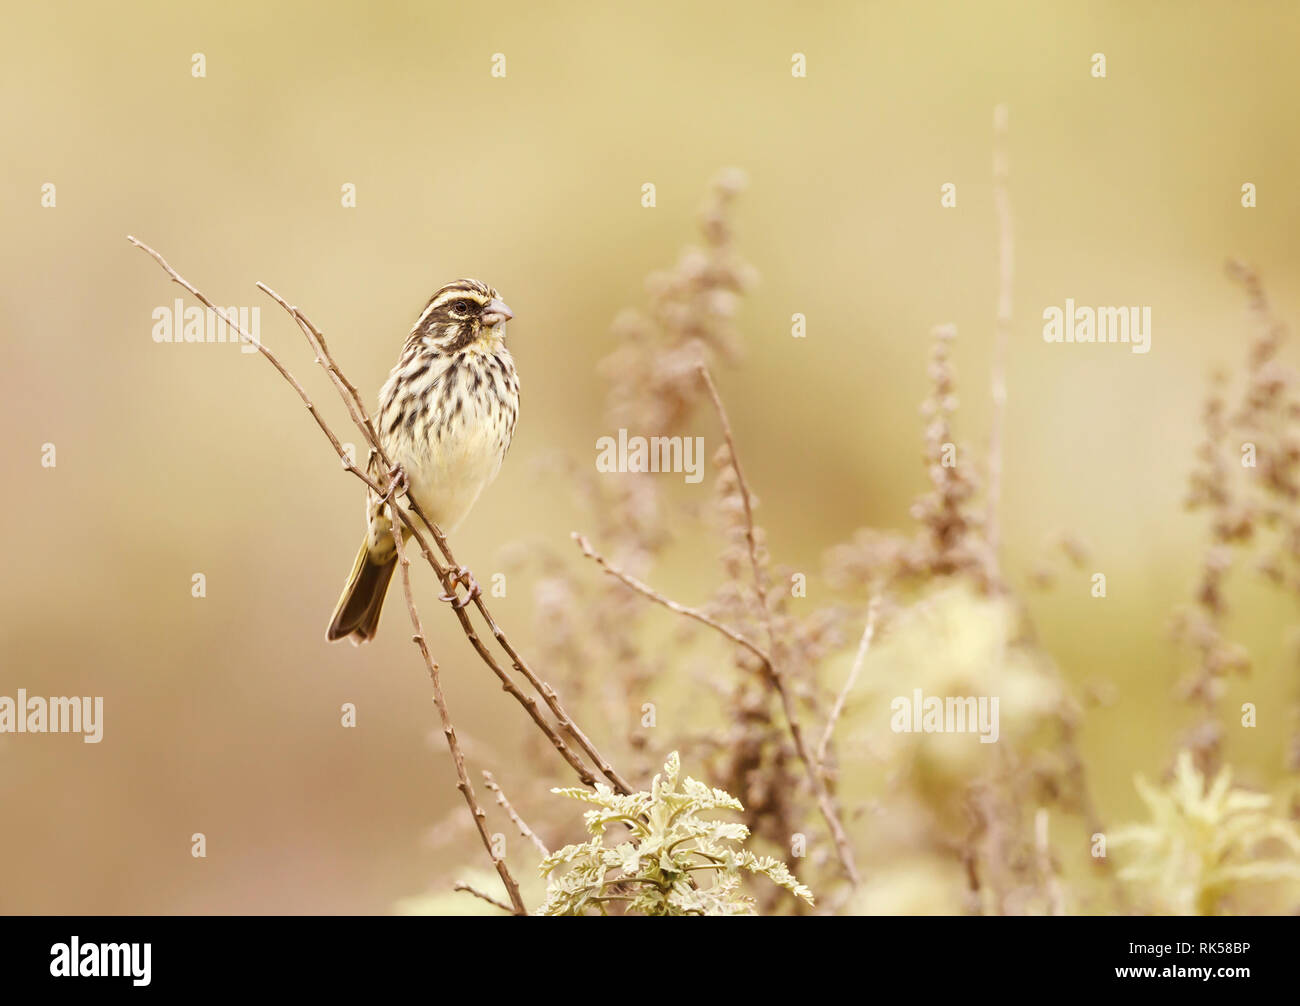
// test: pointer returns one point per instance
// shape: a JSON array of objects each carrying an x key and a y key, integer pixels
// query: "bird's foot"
[
  {"x": 398, "y": 483},
  {"x": 464, "y": 578}
]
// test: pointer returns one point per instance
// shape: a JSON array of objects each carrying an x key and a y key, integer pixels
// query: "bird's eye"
[{"x": 461, "y": 307}]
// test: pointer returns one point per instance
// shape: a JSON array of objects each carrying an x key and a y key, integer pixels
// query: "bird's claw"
[
  {"x": 464, "y": 578},
  {"x": 397, "y": 483}
]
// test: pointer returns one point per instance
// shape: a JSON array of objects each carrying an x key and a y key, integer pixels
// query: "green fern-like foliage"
[{"x": 670, "y": 859}]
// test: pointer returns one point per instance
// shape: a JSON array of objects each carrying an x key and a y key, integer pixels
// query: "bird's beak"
[{"x": 495, "y": 313}]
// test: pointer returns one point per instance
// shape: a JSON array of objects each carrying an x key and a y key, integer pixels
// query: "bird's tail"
[{"x": 356, "y": 616}]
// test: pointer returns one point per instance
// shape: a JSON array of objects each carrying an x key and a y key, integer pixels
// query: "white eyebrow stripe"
[
  {"x": 457, "y": 293},
  {"x": 462, "y": 289}
]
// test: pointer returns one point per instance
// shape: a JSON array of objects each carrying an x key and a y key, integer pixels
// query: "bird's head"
[{"x": 461, "y": 313}]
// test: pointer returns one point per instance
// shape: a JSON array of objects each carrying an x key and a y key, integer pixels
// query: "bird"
[{"x": 446, "y": 418}]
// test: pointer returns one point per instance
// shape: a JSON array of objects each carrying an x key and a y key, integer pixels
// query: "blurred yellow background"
[{"x": 222, "y": 713}]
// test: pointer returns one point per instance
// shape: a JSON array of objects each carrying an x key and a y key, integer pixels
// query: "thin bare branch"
[
  {"x": 520, "y": 823},
  {"x": 1046, "y": 867},
  {"x": 346, "y": 389},
  {"x": 859, "y": 658},
  {"x": 751, "y": 538},
  {"x": 644, "y": 588},
  {"x": 1006, "y": 273},
  {"x": 449, "y": 730},
  {"x": 811, "y": 766},
  {"x": 270, "y": 356},
  {"x": 543, "y": 688}
]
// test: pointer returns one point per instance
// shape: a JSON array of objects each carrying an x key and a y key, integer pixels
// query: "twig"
[
  {"x": 449, "y": 731},
  {"x": 544, "y": 689},
  {"x": 271, "y": 358},
  {"x": 644, "y": 588},
  {"x": 844, "y": 848},
  {"x": 1002, "y": 206},
  {"x": 483, "y": 897},
  {"x": 507, "y": 683},
  {"x": 859, "y": 658},
  {"x": 1046, "y": 868},
  {"x": 811, "y": 766},
  {"x": 520, "y": 823},
  {"x": 346, "y": 389},
  {"x": 750, "y": 538}
]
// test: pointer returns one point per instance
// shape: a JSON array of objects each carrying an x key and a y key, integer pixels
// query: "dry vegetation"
[{"x": 779, "y": 703}]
